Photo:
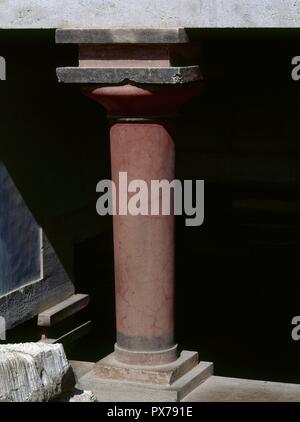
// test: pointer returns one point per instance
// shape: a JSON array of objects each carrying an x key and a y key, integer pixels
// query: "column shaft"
[{"x": 144, "y": 244}]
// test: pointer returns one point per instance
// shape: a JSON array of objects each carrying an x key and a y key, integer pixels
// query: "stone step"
[
  {"x": 193, "y": 379},
  {"x": 110, "y": 368}
]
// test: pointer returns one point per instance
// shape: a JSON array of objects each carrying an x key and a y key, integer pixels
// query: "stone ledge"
[
  {"x": 154, "y": 75},
  {"x": 62, "y": 310}
]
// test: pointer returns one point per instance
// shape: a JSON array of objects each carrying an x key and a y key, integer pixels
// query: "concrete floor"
[{"x": 221, "y": 389}]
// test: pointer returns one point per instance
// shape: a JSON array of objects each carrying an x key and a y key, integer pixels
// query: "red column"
[{"x": 142, "y": 145}]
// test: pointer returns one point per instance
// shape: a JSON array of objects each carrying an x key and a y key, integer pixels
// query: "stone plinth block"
[
  {"x": 111, "y": 380},
  {"x": 32, "y": 372}
]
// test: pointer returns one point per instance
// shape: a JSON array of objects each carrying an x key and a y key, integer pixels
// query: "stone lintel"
[
  {"x": 122, "y": 36},
  {"x": 150, "y": 13}
]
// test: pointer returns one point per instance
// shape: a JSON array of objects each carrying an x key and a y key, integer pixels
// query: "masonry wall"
[{"x": 20, "y": 238}]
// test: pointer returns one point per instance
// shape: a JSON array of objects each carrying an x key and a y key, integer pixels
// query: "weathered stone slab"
[
  {"x": 33, "y": 372},
  {"x": 149, "y": 13},
  {"x": 168, "y": 75}
]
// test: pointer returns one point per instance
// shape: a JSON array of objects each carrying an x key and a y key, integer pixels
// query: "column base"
[
  {"x": 162, "y": 357},
  {"x": 113, "y": 381}
]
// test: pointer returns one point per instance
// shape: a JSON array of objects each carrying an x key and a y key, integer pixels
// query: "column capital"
[
  {"x": 146, "y": 56},
  {"x": 131, "y": 102}
]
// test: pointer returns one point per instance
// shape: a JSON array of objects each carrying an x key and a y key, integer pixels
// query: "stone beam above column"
[{"x": 150, "y": 13}]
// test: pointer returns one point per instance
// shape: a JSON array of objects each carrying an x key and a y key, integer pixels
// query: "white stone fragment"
[
  {"x": 32, "y": 372},
  {"x": 82, "y": 396}
]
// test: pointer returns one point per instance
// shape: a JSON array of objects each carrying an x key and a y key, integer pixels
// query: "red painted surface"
[
  {"x": 143, "y": 245},
  {"x": 130, "y": 100}
]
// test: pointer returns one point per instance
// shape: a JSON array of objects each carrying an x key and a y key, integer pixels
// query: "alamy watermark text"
[{"x": 157, "y": 197}]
